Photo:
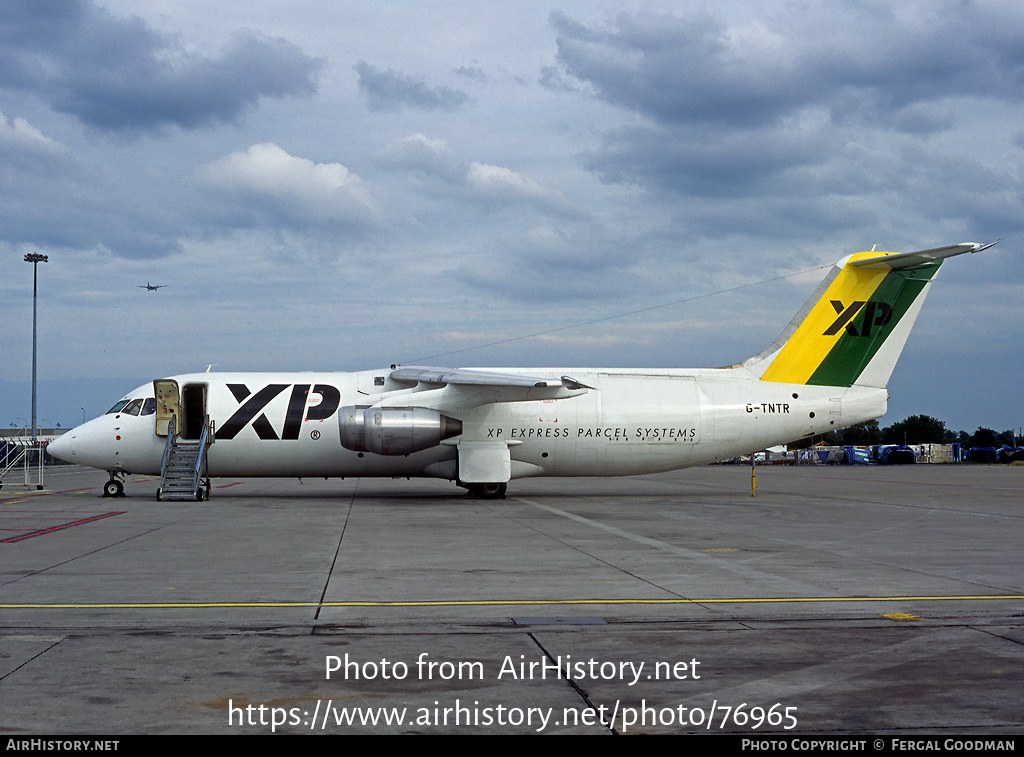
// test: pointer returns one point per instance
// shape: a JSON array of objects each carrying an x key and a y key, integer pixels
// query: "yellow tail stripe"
[{"x": 809, "y": 345}]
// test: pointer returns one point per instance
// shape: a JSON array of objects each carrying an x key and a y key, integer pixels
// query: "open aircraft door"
[
  {"x": 168, "y": 403},
  {"x": 193, "y": 411}
]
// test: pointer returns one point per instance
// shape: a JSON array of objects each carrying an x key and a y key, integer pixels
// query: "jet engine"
[{"x": 394, "y": 430}]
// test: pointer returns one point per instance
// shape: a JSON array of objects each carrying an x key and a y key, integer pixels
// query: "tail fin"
[{"x": 853, "y": 329}]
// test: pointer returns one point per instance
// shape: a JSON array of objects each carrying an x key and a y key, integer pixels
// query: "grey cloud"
[
  {"x": 921, "y": 119},
  {"x": 988, "y": 202},
  {"x": 119, "y": 74},
  {"x": 489, "y": 185},
  {"x": 674, "y": 69},
  {"x": 696, "y": 68},
  {"x": 429, "y": 158},
  {"x": 475, "y": 73},
  {"x": 512, "y": 272},
  {"x": 828, "y": 105},
  {"x": 701, "y": 161},
  {"x": 559, "y": 260},
  {"x": 129, "y": 232},
  {"x": 24, "y": 147},
  {"x": 553, "y": 78},
  {"x": 389, "y": 90}
]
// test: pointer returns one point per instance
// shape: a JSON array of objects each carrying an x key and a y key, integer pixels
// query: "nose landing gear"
[{"x": 114, "y": 487}]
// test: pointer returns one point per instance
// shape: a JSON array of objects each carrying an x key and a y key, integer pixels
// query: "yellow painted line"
[
  {"x": 27, "y": 497},
  {"x": 498, "y": 602}
]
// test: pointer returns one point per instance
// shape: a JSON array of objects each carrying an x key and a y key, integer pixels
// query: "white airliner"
[{"x": 482, "y": 428}]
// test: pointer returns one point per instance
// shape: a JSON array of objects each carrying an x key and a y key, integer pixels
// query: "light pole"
[{"x": 35, "y": 259}]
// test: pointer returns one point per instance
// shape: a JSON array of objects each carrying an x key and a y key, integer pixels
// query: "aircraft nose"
[{"x": 63, "y": 446}]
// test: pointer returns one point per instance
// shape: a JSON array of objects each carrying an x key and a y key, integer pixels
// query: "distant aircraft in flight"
[
  {"x": 482, "y": 428},
  {"x": 151, "y": 287}
]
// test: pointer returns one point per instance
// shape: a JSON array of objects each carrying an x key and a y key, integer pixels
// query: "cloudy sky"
[{"x": 346, "y": 185}]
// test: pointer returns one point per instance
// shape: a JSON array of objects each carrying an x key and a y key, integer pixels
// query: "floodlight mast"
[{"x": 35, "y": 259}]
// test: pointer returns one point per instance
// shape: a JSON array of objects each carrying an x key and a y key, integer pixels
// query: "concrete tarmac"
[{"x": 838, "y": 600}]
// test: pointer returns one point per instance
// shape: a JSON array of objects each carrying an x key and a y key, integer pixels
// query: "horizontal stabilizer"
[{"x": 904, "y": 260}]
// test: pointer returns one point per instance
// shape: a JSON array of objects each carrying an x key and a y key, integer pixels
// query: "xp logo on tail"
[
  {"x": 875, "y": 314},
  {"x": 852, "y": 321}
]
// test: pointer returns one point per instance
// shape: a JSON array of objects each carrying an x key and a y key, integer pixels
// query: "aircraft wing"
[
  {"x": 457, "y": 390},
  {"x": 470, "y": 377},
  {"x": 466, "y": 386},
  {"x": 921, "y": 257}
]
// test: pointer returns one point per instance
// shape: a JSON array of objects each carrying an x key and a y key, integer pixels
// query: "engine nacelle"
[{"x": 394, "y": 430}]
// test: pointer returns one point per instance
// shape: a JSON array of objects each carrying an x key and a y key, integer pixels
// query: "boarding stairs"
[
  {"x": 27, "y": 455},
  {"x": 183, "y": 470}
]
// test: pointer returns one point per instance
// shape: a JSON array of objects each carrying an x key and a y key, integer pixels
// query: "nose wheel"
[{"x": 113, "y": 488}]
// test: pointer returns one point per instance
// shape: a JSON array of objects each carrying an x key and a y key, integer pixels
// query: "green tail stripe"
[{"x": 851, "y": 354}]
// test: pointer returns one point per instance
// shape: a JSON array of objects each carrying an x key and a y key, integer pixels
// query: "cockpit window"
[
  {"x": 149, "y": 407},
  {"x": 133, "y": 407},
  {"x": 118, "y": 407}
]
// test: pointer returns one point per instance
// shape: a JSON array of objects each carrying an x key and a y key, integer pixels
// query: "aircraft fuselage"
[{"x": 627, "y": 422}]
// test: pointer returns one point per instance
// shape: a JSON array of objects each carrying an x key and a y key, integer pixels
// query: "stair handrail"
[
  {"x": 203, "y": 444},
  {"x": 167, "y": 451}
]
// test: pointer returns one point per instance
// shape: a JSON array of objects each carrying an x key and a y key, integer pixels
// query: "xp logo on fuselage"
[
  {"x": 876, "y": 314},
  {"x": 251, "y": 407}
]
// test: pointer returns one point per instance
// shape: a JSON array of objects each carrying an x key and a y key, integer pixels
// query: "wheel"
[
  {"x": 199, "y": 494},
  {"x": 113, "y": 488},
  {"x": 488, "y": 491},
  {"x": 159, "y": 494}
]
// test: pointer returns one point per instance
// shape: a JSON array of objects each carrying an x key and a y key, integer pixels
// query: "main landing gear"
[
  {"x": 487, "y": 491},
  {"x": 114, "y": 487}
]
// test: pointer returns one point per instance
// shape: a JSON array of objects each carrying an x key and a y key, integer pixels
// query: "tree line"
[{"x": 917, "y": 429}]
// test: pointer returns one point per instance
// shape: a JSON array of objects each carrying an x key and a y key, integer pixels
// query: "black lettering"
[
  {"x": 248, "y": 411},
  {"x": 869, "y": 315},
  {"x": 293, "y": 416},
  {"x": 328, "y": 405},
  {"x": 844, "y": 318},
  {"x": 884, "y": 314},
  {"x": 263, "y": 428},
  {"x": 239, "y": 391}
]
